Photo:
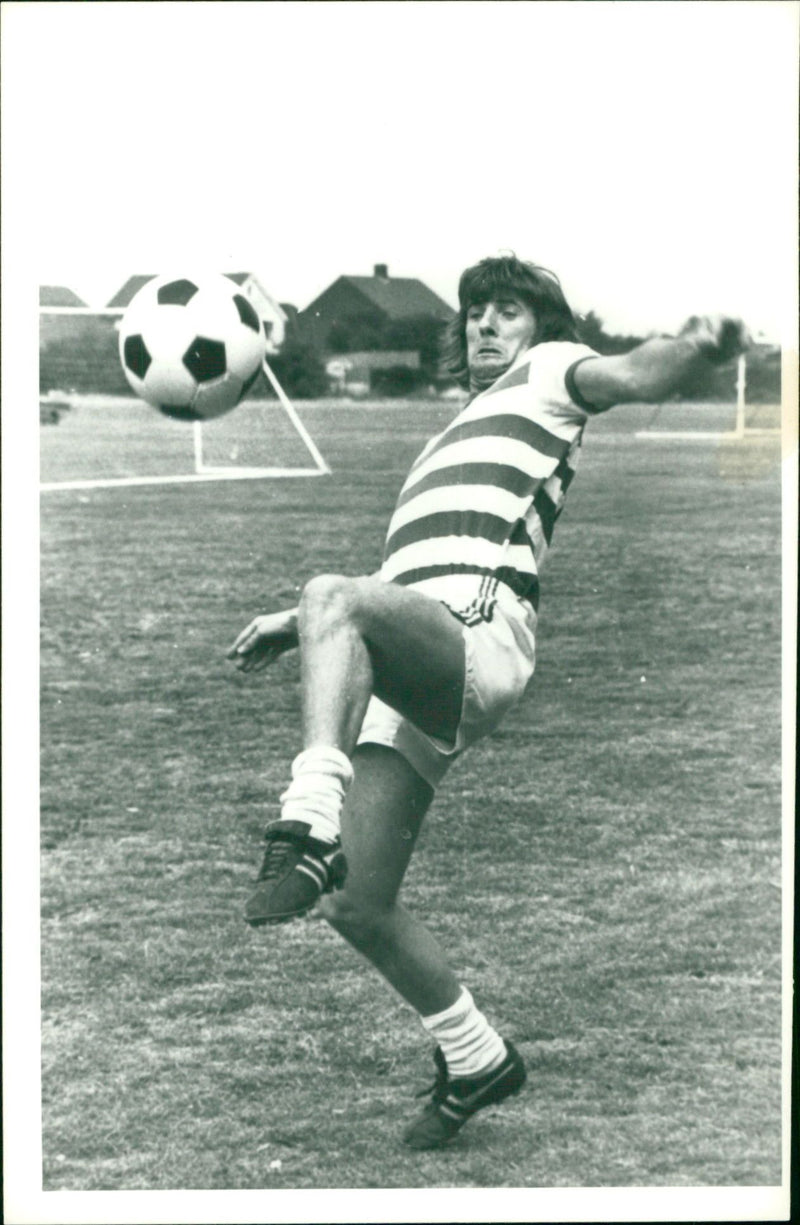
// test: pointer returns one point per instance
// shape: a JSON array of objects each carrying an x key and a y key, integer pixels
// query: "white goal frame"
[
  {"x": 231, "y": 473},
  {"x": 737, "y": 434},
  {"x": 212, "y": 472}
]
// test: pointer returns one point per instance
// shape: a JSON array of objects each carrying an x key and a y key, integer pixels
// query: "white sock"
[
  {"x": 469, "y": 1044},
  {"x": 320, "y": 778}
]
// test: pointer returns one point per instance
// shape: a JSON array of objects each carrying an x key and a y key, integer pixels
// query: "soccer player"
[{"x": 403, "y": 670}]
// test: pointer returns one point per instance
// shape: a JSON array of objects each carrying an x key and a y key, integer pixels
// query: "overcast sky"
[{"x": 644, "y": 151}]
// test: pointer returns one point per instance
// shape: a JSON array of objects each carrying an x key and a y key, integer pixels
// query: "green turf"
[{"x": 605, "y": 870}]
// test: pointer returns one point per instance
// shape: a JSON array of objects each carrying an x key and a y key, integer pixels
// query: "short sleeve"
[{"x": 552, "y": 382}]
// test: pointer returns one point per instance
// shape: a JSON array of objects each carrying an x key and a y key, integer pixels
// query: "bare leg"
[
  {"x": 363, "y": 636},
  {"x": 360, "y": 637},
  {"x": 381, "y": 819}
]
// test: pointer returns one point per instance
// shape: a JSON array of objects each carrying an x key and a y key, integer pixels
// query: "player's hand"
[
  {"x": 263, "y": 641},
  {"x": 718, "y": 338}
]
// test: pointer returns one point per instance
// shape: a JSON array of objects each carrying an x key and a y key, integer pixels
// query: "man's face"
[{"x": 497, "y": 332}]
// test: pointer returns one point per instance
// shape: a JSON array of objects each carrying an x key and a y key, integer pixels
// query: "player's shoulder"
[
  {"x": 558, "y": 353},
  {"x": 537, "y": 382},
  {"x": 551, "y": 365},
  {"x": 541, "y": 367}
]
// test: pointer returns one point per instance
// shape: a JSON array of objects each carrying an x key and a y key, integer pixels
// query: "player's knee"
[{"x": 326, "y": 595}]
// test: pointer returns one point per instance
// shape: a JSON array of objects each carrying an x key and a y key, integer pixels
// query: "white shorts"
[{"x": 499, "y": 660}]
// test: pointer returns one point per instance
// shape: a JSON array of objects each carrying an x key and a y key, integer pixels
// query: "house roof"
[
  {"x": 401, "y": 297},
  {"x": 131, "y": 287},
  {"x": 396, "y": 297},
  {"x": 241, "y": 278},
  {"x": 58, "y": 295},
  {"x": 123, "y": 296}
]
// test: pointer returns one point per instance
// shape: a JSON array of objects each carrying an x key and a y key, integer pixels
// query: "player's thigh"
[
  {"x": 382, "y": 816},
  {"x": 418, "y": 654}
]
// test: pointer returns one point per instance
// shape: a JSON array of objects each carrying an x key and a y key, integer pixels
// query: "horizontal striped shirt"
[{"x": 476, "y": 514}]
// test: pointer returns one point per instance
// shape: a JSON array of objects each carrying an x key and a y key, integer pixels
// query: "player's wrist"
[
  {"x": 709, "y": 350},
  {"x": 715, "y": 341},
  {"x": 289, "y": 627}
]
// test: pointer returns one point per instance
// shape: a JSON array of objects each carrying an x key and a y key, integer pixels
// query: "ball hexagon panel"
[
  {"x": 169, "y": 334},
  {"x": 215, "y": 398},
  {"x": 169, "y": 383}
]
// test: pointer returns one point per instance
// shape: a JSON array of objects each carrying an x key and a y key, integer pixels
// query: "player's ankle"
[
  {"x": 320, "y": 778},
  {"x": 468, "y": 1042}
]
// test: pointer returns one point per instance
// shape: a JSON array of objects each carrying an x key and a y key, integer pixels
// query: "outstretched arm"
[
  {"x": 263, "y": 640},
  {"x": 660, "y": 368}
]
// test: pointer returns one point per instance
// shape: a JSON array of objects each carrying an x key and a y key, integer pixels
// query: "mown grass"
[{"x": 604, "y": 870}]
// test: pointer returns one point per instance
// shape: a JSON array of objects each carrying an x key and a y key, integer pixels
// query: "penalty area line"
[
  {"x": 689, "y": 435},
  {"x": 706, "y": 436},
  {"x": 118, "y": 482}
]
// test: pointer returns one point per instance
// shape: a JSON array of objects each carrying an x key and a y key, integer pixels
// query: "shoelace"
[
  {"x": 275, "y": 858},
  {"x": 438, "y": 1088}
]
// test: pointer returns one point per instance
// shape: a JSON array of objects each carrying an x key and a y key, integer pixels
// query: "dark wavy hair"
[{"x": 506, "y": 276}]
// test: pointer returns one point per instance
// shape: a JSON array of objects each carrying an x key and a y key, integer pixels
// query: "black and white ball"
[{"x": 191, "y": 346}]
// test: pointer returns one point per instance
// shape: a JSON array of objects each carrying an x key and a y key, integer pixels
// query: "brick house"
[
  {"x": 377, "y": 300},
  {"x": 355, "y": 372}
]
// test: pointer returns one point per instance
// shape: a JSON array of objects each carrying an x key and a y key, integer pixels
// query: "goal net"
[
  {"x": 91, "y": 442},
  {"x": 267, "y": 438}
]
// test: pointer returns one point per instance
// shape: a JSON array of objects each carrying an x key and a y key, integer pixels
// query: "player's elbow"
[{"x": 626, "y": 386}]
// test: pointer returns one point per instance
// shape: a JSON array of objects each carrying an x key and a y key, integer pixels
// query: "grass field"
[{"x": 605, "y": 870}]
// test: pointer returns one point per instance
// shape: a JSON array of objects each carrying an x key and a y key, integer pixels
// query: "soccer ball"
[{"x": 191, "y": 346}]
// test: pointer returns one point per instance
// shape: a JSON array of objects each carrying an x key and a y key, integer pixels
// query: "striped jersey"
[{"x": 476, "y": 513}]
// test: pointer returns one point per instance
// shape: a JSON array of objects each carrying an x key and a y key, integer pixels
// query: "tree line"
[
  {"x": 301, "y": 369},
  {"x": 80, "y": 353}
]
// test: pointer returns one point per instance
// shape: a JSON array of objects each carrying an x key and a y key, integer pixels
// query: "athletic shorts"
[{"x": 500, "y": 656}]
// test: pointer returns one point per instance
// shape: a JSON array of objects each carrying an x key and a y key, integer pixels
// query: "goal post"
[
  {"x": 741, "y": 430},
  {"x": 741, "y": 385},
  {"x": 222, "y": 471},
  {"x": 110, "y": 440},
  {"x": 292, "y": 414}
]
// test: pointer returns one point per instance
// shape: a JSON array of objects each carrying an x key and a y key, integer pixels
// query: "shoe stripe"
[
  {"x": 309, "y": 868},
  {"x": 320, "y": 861},
  {"x": 453, "y": 1110},
  {"x": 316, "y": 865},
  {"x": 471, "y": 1098}
]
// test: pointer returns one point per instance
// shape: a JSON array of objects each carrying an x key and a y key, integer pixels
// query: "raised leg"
[
  {"x": 363, "y": 636},
  {"x": 360, "y": 637}
]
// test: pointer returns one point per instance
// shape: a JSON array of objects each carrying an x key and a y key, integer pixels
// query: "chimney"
[{"x": 382, "y": 272}]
